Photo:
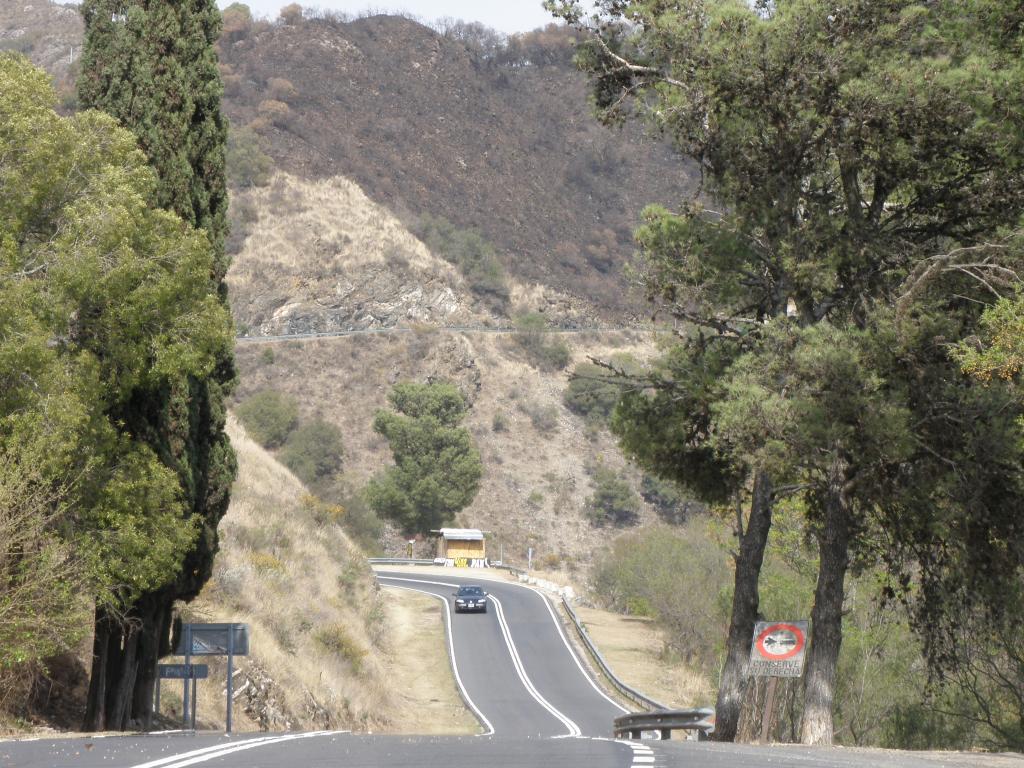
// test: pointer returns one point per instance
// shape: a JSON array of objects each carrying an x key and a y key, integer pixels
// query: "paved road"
[
  {"x": 514, "y": 663},
  {"x": 536, "y": 706}
]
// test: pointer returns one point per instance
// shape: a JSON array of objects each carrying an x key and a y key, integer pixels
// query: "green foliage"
[
  {"x": 543, "y": 349},
  {"x": 470, "y": 253},
  {"x": 675, "y": 576},
  {"x": 592, "y": 392},
  {"x": 313, "y": 452},
  {"x": 869, "y": 166},
  {"x": 269, "y": 417},
  {"x": 247, "y": 164},
  {"x": 152, "y": 66},
  {"x": 437, "y": 468},
  {"x": 666, "y": 497},
  {"x": 336, "y": 639},
  {"x": 101, "y": 298},
  {"x": 168, "y": 98},
  {"x": 614, "y": 502},
  {"x": 1000, "y": 355}
]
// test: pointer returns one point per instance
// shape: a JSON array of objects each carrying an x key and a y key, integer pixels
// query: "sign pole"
[
  {"x": 769, "y": 709},
  {"x": 185, "y": 682},
  {"x": 231, "y": 675},
  {"x": 195, "y": 688},
  {"x": 157, "y": 707}
]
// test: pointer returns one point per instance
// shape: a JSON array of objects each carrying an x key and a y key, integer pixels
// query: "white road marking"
[
  {"x": 209, "y": 753},
  {"x": 574, "y": 730},
  {"x": 451, "y": 656},
  {"x": 554, "y": 619}
]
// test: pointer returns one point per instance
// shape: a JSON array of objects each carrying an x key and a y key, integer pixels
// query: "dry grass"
[
  {"x": 634, "y": 649},
  {"x": 421, "y": 670},
  {"x": 315, "y": 618}
]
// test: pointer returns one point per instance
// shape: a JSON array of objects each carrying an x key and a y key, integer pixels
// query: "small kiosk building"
[{"x": 461, "y": 543}]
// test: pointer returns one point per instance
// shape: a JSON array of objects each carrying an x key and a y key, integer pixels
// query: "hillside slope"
[
  {"x": 321, "y": 642},
  {"x": 425, "y": 126}
]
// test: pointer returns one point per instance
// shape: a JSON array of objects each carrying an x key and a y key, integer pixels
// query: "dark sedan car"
[{"x": 470, "y": 598}]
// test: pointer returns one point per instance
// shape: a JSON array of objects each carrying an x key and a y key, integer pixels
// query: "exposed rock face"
[{"x": 49, "y": 34}]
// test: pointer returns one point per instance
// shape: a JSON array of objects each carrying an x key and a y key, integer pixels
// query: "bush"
[
  {"x": 313, "y": 452},
  {"x": 590, "y": 393},
  {"x": 499, "y": 423},
  {"x": 614, "y": 501},
  {"x": 276, "y": 112},
  {"x": 280, "y": 89},
  {"x": 678, "y": 578},
  {"x": 544, "y": 351},
  {"x": 335, "y": 639},
  {"x": 269, "y": 417},
  {"x": 544, "y": 418},
  {"x": 247, "y": 164},
  {"x": 474, "y": 257},
  {"x": 666, "y": 498}
]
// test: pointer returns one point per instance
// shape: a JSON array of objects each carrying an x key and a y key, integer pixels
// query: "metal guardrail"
[
  {"x": 397, "y": 561},
  {"x": 626, "y": 690},
  {"x": 662, "y": 719},
  {"x": 439, "y": 328},
  {"x": 665, "y": 721}
]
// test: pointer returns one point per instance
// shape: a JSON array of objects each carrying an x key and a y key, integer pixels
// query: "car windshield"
[{"x": 470, "y": 591}]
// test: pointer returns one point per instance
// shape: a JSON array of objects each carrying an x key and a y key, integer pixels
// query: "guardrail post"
[
  {"x": 666, "y": 733},
  {"x": 635, "y": 735}
]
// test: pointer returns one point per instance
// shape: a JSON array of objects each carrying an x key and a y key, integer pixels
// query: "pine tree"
[{"x": 153, "y": 67}]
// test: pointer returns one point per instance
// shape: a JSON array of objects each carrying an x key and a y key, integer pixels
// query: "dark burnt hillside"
[{"x": 424, "y": 126}]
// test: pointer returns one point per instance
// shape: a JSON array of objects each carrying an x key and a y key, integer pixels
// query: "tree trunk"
[
  {"x": 125, "y": 655},
  {"x": 745, "y": 602},
  {"x": 827, "y": 615}
]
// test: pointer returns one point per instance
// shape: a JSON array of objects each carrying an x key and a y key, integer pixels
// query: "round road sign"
[{"x": 779, "y": 642}]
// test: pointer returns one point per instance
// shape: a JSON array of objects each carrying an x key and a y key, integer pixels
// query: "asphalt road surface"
[
  {"x": 514, "y": 664},
  {"x": 536, "y": 705}
]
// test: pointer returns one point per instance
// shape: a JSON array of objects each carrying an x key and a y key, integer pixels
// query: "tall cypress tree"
[{"x": 152, "y": 66}]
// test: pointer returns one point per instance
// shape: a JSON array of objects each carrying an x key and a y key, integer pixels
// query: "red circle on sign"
[{"x": 793, "y": 630}]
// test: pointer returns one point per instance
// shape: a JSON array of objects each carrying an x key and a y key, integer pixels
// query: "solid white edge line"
[
  {"x": 209, "y": 753},
  {"x": 574, "y": 730},
  {"x": 558, "y": 626},
  {"x": 204, "y": 750},
  {"x": 451, "y": 655}
]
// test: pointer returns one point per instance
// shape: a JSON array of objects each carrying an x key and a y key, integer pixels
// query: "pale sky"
[{"x": 502, "y": 15}]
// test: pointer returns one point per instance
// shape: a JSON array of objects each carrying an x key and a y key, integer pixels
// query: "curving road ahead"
[
  {"x": 514, "y": 664},
  {"x": 536, "y": 704}
]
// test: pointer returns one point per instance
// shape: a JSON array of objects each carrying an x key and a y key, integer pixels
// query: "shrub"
[
  {"x": 269, "y": 417},
  {"x": 266, "y": 562},
  {"x": 666, "y": 498},
  {"x": 544, "y": 418},
  {"x": 276, "y": 112},
  {"x": 313, "y": 451},
  {"x": 675, "y": 576},
  {"x": 280, "y": 89},
  {"x": 247, "y": 164},
  {"x": 267, "y": 356},
  {"x": 474, "y": 257},
  {"x": 335, "y": 639},
  {"x": 614, "y": 501},
  {"x": 499, "y": 423},
  {"x": 591, "y": 394},
  {"x": 543, "y": 350}
]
